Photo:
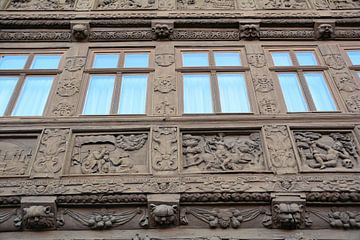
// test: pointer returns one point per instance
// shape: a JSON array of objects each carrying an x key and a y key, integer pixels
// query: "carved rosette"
[
  {"x": 51, "y": 153},
  {"x": 165, "y": 149}
]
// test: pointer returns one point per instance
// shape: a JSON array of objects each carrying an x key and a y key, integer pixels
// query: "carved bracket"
[{"x": 163, "y": 210}]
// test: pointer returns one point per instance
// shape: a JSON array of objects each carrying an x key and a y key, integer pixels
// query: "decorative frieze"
[
  {"x": 126, "y": 4},
  {"x": 110, "y": 153},
  {"x": 218, "y": 152}
]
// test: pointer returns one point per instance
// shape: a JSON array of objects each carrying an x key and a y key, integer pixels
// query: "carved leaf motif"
[{"x": 131, "y": 142}]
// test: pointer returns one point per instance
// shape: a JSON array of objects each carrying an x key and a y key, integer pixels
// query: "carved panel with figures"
[
  {"x": 110, "y": 153},
  {"x": 222, "y": 152},
  {"x": 327, "y": 150}
]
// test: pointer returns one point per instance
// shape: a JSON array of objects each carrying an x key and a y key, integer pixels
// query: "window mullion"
[
  {"x": 116, "y": 94},
  {"x": 306, "y": 91},
  {"x": 215, "y": 92}
]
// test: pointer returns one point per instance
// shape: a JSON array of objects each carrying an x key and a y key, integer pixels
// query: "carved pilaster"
[
  {"x": 50, "y": 157},
  {"x": 263, "y": 84},
  {"x": 165, "y": 87},
  {"x": 345, "y": 82},
  {"x": 281, "y": 152}
]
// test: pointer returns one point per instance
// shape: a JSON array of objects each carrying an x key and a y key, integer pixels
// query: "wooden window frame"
[
  {"x": 213, "y": 70},
  {"x": 355, "y": 69},
  {"x": 299, "y": 70},
  {"x": 25, "y": 72},
  {"x": 118, "y": 73}
]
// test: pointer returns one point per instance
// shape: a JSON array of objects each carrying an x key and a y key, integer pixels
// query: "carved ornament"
[{"x": 165, "y": 149}]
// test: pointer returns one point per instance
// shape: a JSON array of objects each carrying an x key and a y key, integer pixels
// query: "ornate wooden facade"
[{"x": 267, "y": 174}]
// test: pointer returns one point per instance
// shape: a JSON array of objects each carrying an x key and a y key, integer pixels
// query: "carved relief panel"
[
  {"x": 336, "y": 4},
  {"x": 222, "y": 152},
  {"x": 109, "y": 153},
  {"x": 127, "y": 4},
  {"x": 283, "y": 4},
  {"x": 327, "y": 150},
  {"x": 16, "y": 153},
  {"x": 41, "y": 5},
  {"x": 165, "y": 149},
  {"x": 205, "y": 4}
]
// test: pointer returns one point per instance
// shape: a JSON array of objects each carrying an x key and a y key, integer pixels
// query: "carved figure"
[
  {"x": 205, "y": 4},
  {"x": 257, "y": 60},
  {"x": 163, "y": 215},
  {"x": 126, "y": 4},
  {"x": 326, "y": 151},
  {"x": 249, "y": 31},
  {"x": 80, "y": 32},
  {"x": 325, "y": 31},
  {"x": 345, "y": 82},
  {"x": 15, "y": 156},
  {"x": 36, "y": 217},
  {"x": 222, "y": 152},
  {"x": 162, "y": 31},
  {"x": 41, "y": 4}
]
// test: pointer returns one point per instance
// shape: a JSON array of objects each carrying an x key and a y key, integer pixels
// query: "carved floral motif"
[
  {"x": 120, "y": 153},
  {"x": 222, "y": 152},
  {"x": 164, "y": 84},
  {"x": 263, "y": 83},
  {"x": 68, "y": 87},
  {"x": 334, "y": 150},
  {"x": 64, "y": 109},
  {"x": 165, "y": 149}
]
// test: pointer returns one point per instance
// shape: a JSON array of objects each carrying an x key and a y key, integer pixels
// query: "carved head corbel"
[
  {"x": 80, "y": 31},
  {"x": 325, "y": 31}
]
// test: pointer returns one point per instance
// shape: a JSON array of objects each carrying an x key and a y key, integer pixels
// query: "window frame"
[
  {"x": 118, "y": 73},
  {"x": 300, "y": 70},
  {"x": 26, "y": 71},
  {"x": 212, "y": 70},
  {"x": 355, "y": 69}
]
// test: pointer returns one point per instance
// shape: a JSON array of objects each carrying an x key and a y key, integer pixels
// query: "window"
[
  {"x": 26, "y": 81},
  {"x": 214, "y": 82},
  {"x": 117, "y": 83},
  {"x": 302, "y": 81},
  {"x": 354, "y": 57}
]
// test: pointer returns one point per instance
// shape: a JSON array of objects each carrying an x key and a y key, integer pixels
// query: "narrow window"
[
  {"x": 133, "y": 94},
  {"x": 294, "y": 98},
  {"x": 7, "y": 86}
]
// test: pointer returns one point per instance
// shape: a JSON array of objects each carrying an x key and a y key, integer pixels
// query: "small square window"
[
  {"x": 136, "y": 60},
  {"x": 12, "y": 62},
  {"x": 195, "y": 59},
  {"x": 46, "y": 62},
  {"x": 281, "y": 59},
  {"x": 354, "y": 57},
  {"x": 103, "y": 60},
  {"x": 227, "y": 59},
  {"x": 306, "y": 58}
]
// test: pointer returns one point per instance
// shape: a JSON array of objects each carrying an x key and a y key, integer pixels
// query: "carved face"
[
  {"x": 325, "y": 30},
  {"x": 288, "y": 215},
  {"x": 80, "y": 32},
  {"x": 163, "y": 214},
  {"x": 347, "y": 163}
]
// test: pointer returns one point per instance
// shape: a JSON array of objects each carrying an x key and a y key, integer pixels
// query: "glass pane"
[
  {"x": 136, "y": 60},
  {"x": 197, "y": 94},
  {"x": 12, "y": 62},
  {"x": 7, "y": 86},
  {"x": 233, "y": 93},
  {"x": 306, "y": 58},
  {"x": 195, "y": 59},
  {"x": 320, "y": 93},
  {"x": 354, "y": 57},
  {"x": 227, "y": 59},
  {"x": 358, "y": 73},
  {"x": 46, "y": 62},
  {"x": 106, "y": 61},
  {"x": 281, "y": 59},
  {"x": 99, "y": 95},
  {"x": 133, "y": 94},
  {"x": 33, "y": 96},
  {"x": 292, "y": 93}
]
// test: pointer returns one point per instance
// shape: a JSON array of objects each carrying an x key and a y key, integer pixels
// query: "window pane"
[
  {"x": 197, "y": 94},
  {"x": 281, "y": 59},
  {"x": 33, "y": 96},
  {"x": 106, "y": 61},
  {"x": 195, "y": 59},
  {"x": 136, "y": 60},
  {"x": 233, "y": 93},
  {"x": 227, "y": 59},
  {"x": 7, "y": 86},
  {"x": 354, "y": 57},
  {"x": 99, "y": 95},
  {"x": 306, "y": 58},
  {"x": 133, "y": 94},
  {"x": 46, "y": 62},
  {"x": 12, "y": 62},
  {"x": 292, "y": 93},
  {"x": 358, "y": 73},
  {"x": 320, "y": 93}
]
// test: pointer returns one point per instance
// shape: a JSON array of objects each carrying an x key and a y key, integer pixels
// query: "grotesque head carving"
[
  {"x": 325, "y": 31},
  {"x": 250, "y": 31},
  {"x": 163, "y": 215},
  {"x": 162, "y": 31},
  {"x": 38, "y": 217},
  {"x": 80, "y": 32},
  {"x": 288, "y": 215}
]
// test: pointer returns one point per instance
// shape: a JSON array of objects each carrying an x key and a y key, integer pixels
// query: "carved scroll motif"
[
  {"x": 103, "y": 154},
  {"x": 41, "y": 4},
  {"x": 15, "y": 155},
  {"x": 165, "y": 149},
  {"x": 280, "y": 148},
  {"x": 51, "y": 154},
  {"x": 327, "y": 151},
  {"x": 222, "y": 152}
]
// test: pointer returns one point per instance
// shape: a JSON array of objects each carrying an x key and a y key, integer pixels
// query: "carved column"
[
  {"x": 164, "y": 90},
  {"x": 348, "y": 87},
  {"x": 66, "y": 98},
  {"x": 165, "y": 150},
  {"x": 50, "y": 156},
  {"x": 280, "y": 149},
  {"x": 263, "y": 84}
]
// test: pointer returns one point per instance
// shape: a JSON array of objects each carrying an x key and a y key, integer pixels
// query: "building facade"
[{"x": 180, "y": 119}]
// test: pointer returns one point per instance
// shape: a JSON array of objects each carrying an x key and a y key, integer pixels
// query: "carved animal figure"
[
  {"x": 288, "y": 216},
  {"x": 163, "y": 214}
]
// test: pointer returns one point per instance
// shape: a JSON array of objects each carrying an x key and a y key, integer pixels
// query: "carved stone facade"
[{"x": 267, "y": 173}]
